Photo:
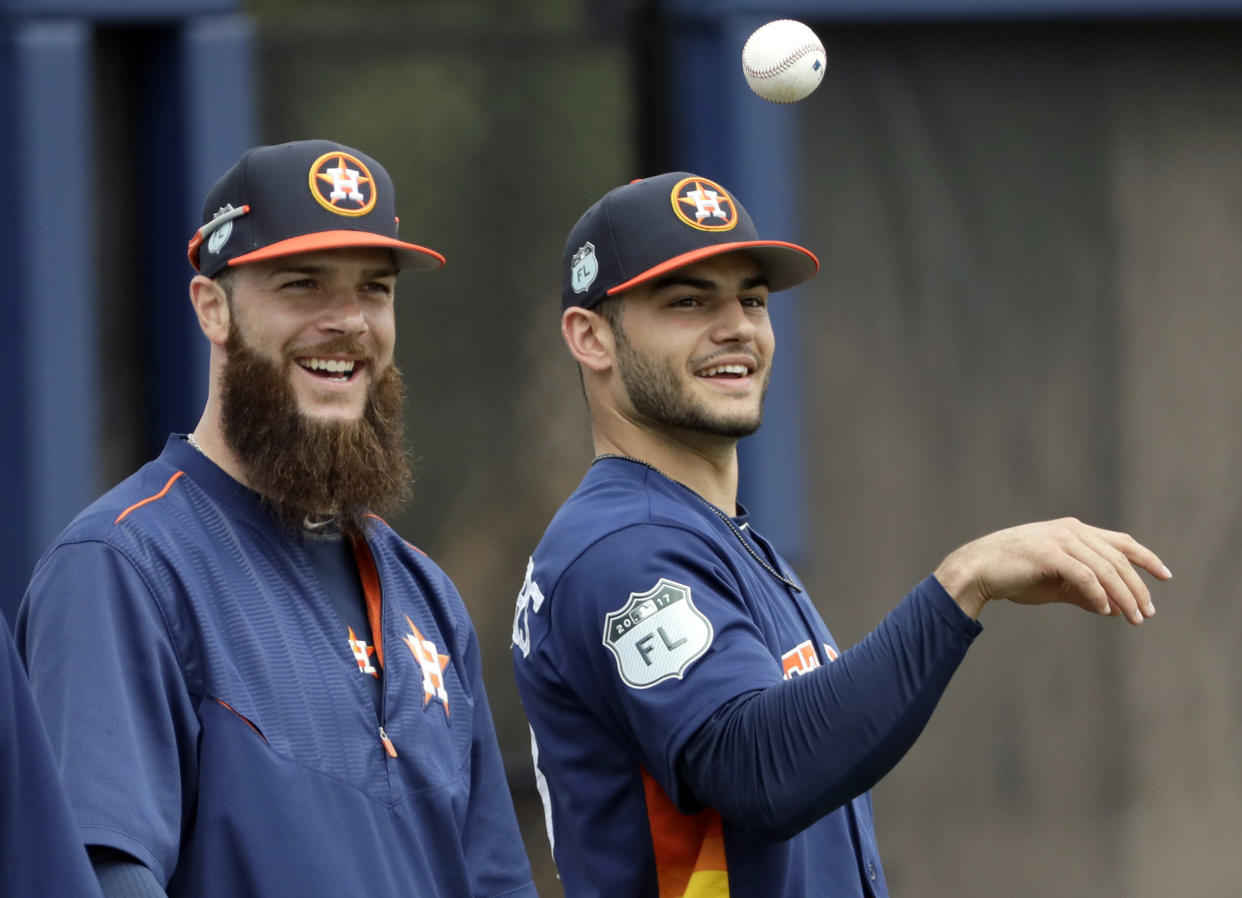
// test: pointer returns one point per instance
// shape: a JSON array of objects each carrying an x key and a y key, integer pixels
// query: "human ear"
[
  {"x": 211, "y": 305},
  {"x": 589, "y": 338}
]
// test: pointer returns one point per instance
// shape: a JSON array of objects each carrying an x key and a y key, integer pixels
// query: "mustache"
[
  {"x": 332, "y": 346},
  {"x": 730, "y": 352}
]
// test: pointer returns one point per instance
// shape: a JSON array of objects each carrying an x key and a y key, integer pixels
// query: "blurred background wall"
[{"x": 1030, "y": 219}]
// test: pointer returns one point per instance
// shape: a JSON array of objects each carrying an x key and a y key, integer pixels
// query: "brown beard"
[
  {"x": 656, "y": 393},
  {"x": 307, "y": 467}
]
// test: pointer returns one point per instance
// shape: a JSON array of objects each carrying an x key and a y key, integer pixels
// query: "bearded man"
[{"x": 253, "y": 686}]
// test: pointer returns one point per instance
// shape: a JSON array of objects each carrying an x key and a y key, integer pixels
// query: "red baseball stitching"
[{"x": 786, "y": 63}]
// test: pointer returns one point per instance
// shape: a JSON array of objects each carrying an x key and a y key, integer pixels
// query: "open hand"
[{"x": 1054, "y": 561}]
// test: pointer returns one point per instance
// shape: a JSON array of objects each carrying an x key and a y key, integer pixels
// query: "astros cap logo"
[
  {"x": 341, "y": 183},
  {"x": 704, "y": 204}
]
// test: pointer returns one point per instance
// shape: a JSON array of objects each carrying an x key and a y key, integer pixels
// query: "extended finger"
[
  {"x": 1080, "y": 584},
  {"x": 1137, "y": 553},
  {"x": 1109, "y": 549},
  {"x": 1117, "y": 591}
]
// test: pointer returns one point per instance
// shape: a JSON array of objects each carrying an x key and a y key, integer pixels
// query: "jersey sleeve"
[
  {"x": 776, "y": 761},
  {"x": 120, "y": 876},
  {"x": 107, "y": 680},
  {"x": 41, "y": 852},
  {"x": 651, "y": 623}
]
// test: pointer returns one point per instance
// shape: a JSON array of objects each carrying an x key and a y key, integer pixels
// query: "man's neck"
[
  {"x": 707, "y": 465},
  {"x": 208, "y": 438}
]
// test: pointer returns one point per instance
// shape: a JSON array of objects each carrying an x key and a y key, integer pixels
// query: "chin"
[
  {"x": 345, "y": 413},
  {"x": 736, "y": 429},
  {"x": 738, "y": 420},
  {"x": 739, "y": 423}
]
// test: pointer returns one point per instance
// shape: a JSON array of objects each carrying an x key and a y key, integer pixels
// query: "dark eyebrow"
[
  {"x": 312, "y": 269},
  {"x": 295, "y": 269},
  {"x": 681, "y": 280}
]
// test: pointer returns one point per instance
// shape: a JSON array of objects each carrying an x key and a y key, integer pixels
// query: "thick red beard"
[{"x": 307, "y": 467}]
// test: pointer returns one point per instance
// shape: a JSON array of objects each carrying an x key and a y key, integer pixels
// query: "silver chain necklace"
[
  {"x": 189, "y": 438},
  {"x": 716, "y": 511}
]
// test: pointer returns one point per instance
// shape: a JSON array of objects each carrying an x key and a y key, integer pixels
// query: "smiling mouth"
[
  {"x": 728, "y": 371},
  {"x": 339, "y": 370}
]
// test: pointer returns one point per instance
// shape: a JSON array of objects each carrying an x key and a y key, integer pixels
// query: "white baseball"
[{"x": 783, "y": 61}]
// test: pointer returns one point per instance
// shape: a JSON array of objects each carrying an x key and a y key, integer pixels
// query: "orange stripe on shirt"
[
  {"x": 689, "y": 848},
  {"x": 160, "y": 495},
  {"x": 243, "y": 718},
  {"x": 368, "y": 573}
]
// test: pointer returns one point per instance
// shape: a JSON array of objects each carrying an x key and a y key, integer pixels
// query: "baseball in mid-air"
[{"x": 783, "y": 61}]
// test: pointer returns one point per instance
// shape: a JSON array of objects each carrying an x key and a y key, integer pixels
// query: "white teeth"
[
  {"x": 333, "y": 366},
  {"x": 740, "y": 370}
]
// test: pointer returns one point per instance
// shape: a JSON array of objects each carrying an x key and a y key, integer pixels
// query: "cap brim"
[
  {"x": 408, "y": 255},
  {"x": 785, "y": 265}
]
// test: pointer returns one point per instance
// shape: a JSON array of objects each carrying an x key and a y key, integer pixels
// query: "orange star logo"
[
  {"x": 362, "y": 654},
  {"x": 341, "y": 183},
  {"x": 704, "y": 205},
  {"x": 432, "y": 664}
]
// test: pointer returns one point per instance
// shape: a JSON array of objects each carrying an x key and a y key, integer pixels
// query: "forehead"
[{"x": 370, "y": 259}]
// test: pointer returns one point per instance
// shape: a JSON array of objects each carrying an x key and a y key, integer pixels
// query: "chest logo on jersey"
[
  {"x": 657, "y": 634},
  {"x": 802, "y": 659},
  {"x": 362, "y": 654},
  {"x": 432, "y": 664}
]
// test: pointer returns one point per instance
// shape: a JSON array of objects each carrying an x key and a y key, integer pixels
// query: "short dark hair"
[
  {"x": 610, "y": 308},
  {"x": 225, "y": 279}
]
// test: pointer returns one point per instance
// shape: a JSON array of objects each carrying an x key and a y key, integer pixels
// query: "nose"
[
  {"x": 732, "y": 324},
  {"x": 343, "y": 314}
]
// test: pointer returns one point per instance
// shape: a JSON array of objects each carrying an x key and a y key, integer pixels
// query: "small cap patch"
[{"x": 583, "y": 267}]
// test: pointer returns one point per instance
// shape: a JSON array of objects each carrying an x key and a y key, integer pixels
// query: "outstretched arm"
[
  {"x": 775, "y": 760},
  {"x": 1054, "y": 561}
]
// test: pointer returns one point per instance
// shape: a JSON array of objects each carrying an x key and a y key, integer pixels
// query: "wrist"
[{"x": 962, "y": 585}]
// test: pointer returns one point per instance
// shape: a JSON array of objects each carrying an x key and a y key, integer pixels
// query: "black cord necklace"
[{"x": 716, "y": 511}]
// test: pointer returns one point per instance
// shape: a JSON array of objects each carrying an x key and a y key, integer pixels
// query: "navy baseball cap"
[
  {"x": 300, "y": 197},
  {"x": 649, "y": 227}
]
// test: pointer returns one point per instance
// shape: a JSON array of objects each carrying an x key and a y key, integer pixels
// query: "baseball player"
[
  {"x": 696, "y": 728},
  {"x": 252, "y": 684}
]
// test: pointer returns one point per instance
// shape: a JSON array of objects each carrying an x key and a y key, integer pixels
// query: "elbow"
[{"x": 781, "y": 814}]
